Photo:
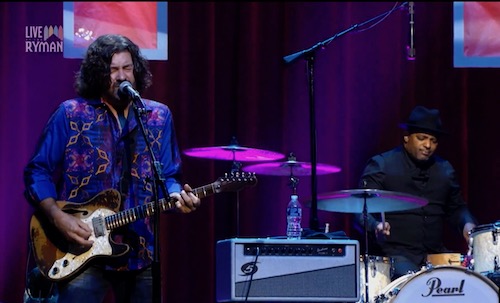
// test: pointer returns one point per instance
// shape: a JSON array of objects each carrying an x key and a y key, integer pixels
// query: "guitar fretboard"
[{"x": 143, "y": 211}]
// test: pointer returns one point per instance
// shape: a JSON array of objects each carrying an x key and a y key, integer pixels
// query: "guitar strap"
[{"x": 122, "y": 120}]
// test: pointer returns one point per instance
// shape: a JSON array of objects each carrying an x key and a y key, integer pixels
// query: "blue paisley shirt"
[{"x": 82, "y": 152}]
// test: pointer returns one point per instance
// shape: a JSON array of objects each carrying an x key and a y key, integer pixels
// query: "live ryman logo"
[
  {"x": 43, "y": 39},
  {"x": 436, "y": 290}
]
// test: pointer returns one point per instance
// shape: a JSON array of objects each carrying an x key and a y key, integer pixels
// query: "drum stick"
[{"x": 382, "y": 215}]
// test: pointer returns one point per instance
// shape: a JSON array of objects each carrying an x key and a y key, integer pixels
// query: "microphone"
[
  {"x": 126, "y": 89},
  {"x": 411, "y": 45}
]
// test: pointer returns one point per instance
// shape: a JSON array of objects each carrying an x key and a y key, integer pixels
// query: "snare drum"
[
  {"x": 441, "y": 284},
  {"x": 455, "y": 259},
  {"x": 379, "y": 276},
  {"x": 486, "y": 248}
]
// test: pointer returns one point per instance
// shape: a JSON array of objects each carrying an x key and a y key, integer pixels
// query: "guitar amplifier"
[{"x": 305, "y": 270}]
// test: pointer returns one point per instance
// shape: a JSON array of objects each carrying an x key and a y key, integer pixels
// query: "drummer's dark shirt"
[{"x": 418, "y": 231}]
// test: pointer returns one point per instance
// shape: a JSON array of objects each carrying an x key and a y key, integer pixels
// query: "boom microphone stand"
[{"x": 309, "y": 55}]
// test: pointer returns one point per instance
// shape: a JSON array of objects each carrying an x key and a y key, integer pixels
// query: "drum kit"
[{"x": 464, "y": 279}]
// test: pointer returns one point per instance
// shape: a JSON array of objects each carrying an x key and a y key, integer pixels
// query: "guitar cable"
[
  {"x": 253, "y": 272},
  {"x": 38, "y": 286}
]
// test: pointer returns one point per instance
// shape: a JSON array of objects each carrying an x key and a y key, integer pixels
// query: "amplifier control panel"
[{"x": 324, "y": 250}]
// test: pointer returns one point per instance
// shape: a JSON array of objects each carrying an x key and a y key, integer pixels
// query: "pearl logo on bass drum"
[{"x": 437, "y": 289}]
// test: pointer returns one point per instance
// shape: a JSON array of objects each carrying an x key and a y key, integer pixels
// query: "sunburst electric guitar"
[{"x": 57, "y": 259}]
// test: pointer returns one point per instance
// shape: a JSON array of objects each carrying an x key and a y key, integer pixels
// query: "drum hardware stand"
[
  {"x": 236, "y": 168},
  {"x": 293, "y": 184},
  {"x": 365, "y": 259},
  {"x": 294, "y": 181}
]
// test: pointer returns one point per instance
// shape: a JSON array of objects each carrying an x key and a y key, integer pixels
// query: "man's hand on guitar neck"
[
  {"x": 71, "y": 227},
  {"x": 186, "y": 201}
]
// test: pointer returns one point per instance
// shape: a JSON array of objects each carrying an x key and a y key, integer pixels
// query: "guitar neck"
[
  {"x": 146, "y": 210},
  {"x": 230, "y": 182}
]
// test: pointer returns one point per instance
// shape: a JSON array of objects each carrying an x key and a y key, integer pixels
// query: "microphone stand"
[
  {"x": 309, "y": 55},
  {"x": 158, "y": 182}
]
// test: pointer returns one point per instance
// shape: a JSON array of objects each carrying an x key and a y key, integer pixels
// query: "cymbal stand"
[
  {"x": 365, "y": 259},
  {"x": 236, "y": 167},
  {"x": 294, "y": 181}
]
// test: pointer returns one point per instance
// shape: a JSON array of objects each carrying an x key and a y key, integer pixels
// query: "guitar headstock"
[{"x": 235, "y": 181}]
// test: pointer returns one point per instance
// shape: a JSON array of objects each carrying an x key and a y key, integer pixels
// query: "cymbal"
[
  {"x": 234, "y": 153},
  {"x": 352, "y": 201},
  {"x": 290, "y": 167}
]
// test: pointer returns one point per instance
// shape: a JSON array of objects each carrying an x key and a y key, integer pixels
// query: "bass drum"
[{"x": 441, "y": 284}]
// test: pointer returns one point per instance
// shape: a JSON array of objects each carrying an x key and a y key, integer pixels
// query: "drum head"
[
  {"x": 379, "y": 259},
  {"x": 494, "y": 227},
  {"x": 445, "y": 284}
]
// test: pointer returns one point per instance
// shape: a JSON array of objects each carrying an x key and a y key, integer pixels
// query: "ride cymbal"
[{"x": 291, "y": 168}]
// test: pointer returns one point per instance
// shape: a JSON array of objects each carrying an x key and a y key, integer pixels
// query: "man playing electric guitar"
[{"x": 94, "y": 143}]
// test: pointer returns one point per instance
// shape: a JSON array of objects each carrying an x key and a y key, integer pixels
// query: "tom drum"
[
  {"x": 455, "y": 259},
  {"x": 486, "y": 248},
  {"x": 379, "y": 276}
]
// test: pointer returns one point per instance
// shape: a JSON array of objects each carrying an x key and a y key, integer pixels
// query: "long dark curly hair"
[{"x": 93, "y": 79}]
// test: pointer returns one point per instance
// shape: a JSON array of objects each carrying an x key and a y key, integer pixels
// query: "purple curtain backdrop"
[{"x": 226, "y": 77}]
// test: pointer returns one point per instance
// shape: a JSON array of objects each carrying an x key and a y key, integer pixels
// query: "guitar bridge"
[{"x": 98, "y": 224}]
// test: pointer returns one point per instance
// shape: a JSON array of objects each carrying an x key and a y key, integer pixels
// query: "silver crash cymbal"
[{"x": 352, "y": 201}]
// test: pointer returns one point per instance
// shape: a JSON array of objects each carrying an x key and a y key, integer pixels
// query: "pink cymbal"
[
  {"x": 234, "y": 153},
  {"x": 289, "y": 168}
]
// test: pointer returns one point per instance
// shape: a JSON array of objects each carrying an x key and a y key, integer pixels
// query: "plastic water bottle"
[{"x": 294, "y": 218}]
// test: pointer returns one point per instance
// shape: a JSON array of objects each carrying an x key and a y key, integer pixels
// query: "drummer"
[{"x": 409, "y": 236}]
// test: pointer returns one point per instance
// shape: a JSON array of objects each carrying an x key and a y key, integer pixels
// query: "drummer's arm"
[
  {"x": 371, "y": 222},
  {"x": 457, "y": 211}
]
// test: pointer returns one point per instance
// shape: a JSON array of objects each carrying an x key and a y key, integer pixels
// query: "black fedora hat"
[{"x": 424, "y": 120}]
